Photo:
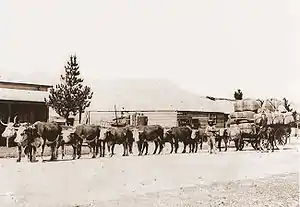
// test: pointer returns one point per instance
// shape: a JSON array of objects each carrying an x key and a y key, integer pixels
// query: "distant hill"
[{"x": 150, "y": 94}]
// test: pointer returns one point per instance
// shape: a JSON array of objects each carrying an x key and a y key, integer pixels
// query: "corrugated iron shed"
[{"x": 22, "y": 95}]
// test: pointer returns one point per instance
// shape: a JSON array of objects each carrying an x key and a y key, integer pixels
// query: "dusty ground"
[{"x": 231, "y": 178}]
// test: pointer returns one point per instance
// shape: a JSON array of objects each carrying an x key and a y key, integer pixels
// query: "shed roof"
[
  {"x": 22, "y": 95},
  {"x": 151, "y": 94}
]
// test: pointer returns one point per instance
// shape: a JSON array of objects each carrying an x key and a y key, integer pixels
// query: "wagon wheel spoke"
[{"x": 280, "y": 137}]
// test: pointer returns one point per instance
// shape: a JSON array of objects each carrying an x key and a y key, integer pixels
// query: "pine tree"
[
  {"x": 70, "y": 96},
  {"x": 287, "y": 105}
]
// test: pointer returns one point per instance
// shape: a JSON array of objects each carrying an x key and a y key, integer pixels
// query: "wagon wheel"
[
  {"x": 264, "y": 144},
  {"x": 280, "y": 137},
  {"x": 254, "y": 144},
  {"x": 241, "y": 146}
]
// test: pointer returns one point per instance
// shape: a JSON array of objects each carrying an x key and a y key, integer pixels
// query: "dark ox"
[
  {"x": 151, "y": 133},
  {"x": 50, "y": 132},
  {"x": 88, "y": 134},
  {"x": 180, "y": 134},
  {"x": 119, "y": 135}
]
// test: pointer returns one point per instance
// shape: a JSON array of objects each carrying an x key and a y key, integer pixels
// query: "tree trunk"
[
  {"x": 80, "y": 115},
  {"x": 66, "y": 122}
]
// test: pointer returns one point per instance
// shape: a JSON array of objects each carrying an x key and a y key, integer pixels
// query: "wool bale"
[
  {"x": 288, "y": 118},
  {"x": 275, "y": 102},
  {"x": 257, "y": 118},
  {"x": 231, "y": 122},
  {"x": 241, "y": 121},
  {"x": 270, "y": 118},
  {"x": 238, "y": 106},
  {"x": 248, "y": 115},
  {"x": 268, "y": 106},
  {"x": 281, "y": 109},
  {"x": 251, "y": 105},
  {"x": 236, "y": 115},
  {"x": 234, "y": 131},
  {"x": 246, "y": 128},
  {"x": 242, "y": 115},
  {"x": 278, "y": 118}
]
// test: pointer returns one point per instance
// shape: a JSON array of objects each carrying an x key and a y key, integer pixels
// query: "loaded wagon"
[{"x": 244, "y": 123}]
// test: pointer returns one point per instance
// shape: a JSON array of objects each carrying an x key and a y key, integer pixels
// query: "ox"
[
  {"x": 22, "y": 132},
  {"x": 180, "y": 134},
  {"x": 90, "y": 135},
  {"x": 50, "y": 132},
  {"x": 198, "y": 136},
  {"x": 222, "y": 135},
  {"x": 116, "y": 135},
  {"x": 151, "y": 133},
  {"x": 68, "y": 138}
]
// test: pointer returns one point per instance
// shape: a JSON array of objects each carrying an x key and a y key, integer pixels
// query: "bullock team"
[{"x": 30, "y": 137}]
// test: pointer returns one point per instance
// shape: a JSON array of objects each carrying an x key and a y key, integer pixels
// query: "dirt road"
[{"x": 161, "y": 180}]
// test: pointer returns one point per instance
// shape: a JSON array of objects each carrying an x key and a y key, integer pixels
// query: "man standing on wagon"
[{"x": 210, "y": 132}]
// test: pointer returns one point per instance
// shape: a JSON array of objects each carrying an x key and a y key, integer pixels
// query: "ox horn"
[
  {"x": 15, "y": 119},
  {"x": 2, "y": 123}
]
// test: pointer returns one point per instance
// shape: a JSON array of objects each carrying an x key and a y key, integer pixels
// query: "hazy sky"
[{"x": 207, "y": 47}]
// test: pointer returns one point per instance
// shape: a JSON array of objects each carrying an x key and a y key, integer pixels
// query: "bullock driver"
[
  {"x": 263, "y": 124},
  {"x": 210, "y": 132}
]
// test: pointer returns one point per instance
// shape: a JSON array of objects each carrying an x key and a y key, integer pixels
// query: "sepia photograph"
[{"x": 149, "y": 103}]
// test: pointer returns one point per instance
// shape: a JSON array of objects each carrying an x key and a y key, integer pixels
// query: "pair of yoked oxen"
[{"x": 30, "y": 137}]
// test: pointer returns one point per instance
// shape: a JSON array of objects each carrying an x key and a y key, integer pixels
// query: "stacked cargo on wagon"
[
  {"x": 247, "y": 116},
  {"x": 278, "y": 118},
  {"x": 241, "y": 122}
]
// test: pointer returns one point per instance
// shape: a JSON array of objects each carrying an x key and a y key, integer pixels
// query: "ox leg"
[
  {"x": 190, "y": 147},
  {"x": 100, "y": 148},
  {"x": 97, "y": 147},
  {"x": 226, "y": 143},
  {"x": 79, "y": 145},
  {"x": 219, "y": 143},
  {"x": 161, "y": 146},
  {"x": 30, "y": 153},
  {"x": 112, "y": 149},
  {"x": 176, "y": 146},
  {"x": 140, "y": 146},
  {"x": 43, "y": 149},
  {"x": 196, "y": 146},
  {"x": 103, "y": 150},
  {"x": 172, "y": 147},
  {"x": 145, "y": 146},
  {"x": 125, "y": 149},
  {"x": 184, "y": 147},
  {"x": 130, "y": 145},
  {"x": 63, "y": 150},
  {"x": 27, "y": 153},
  {"x": 93, "y": 149},
  {"x": 201, "y": 143},
  {"x": 74, "y": 151},
  {"x": 33, "y": 154},
  {"x": 52, "y": 153},
  {"x": 156, "y": 146}
]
